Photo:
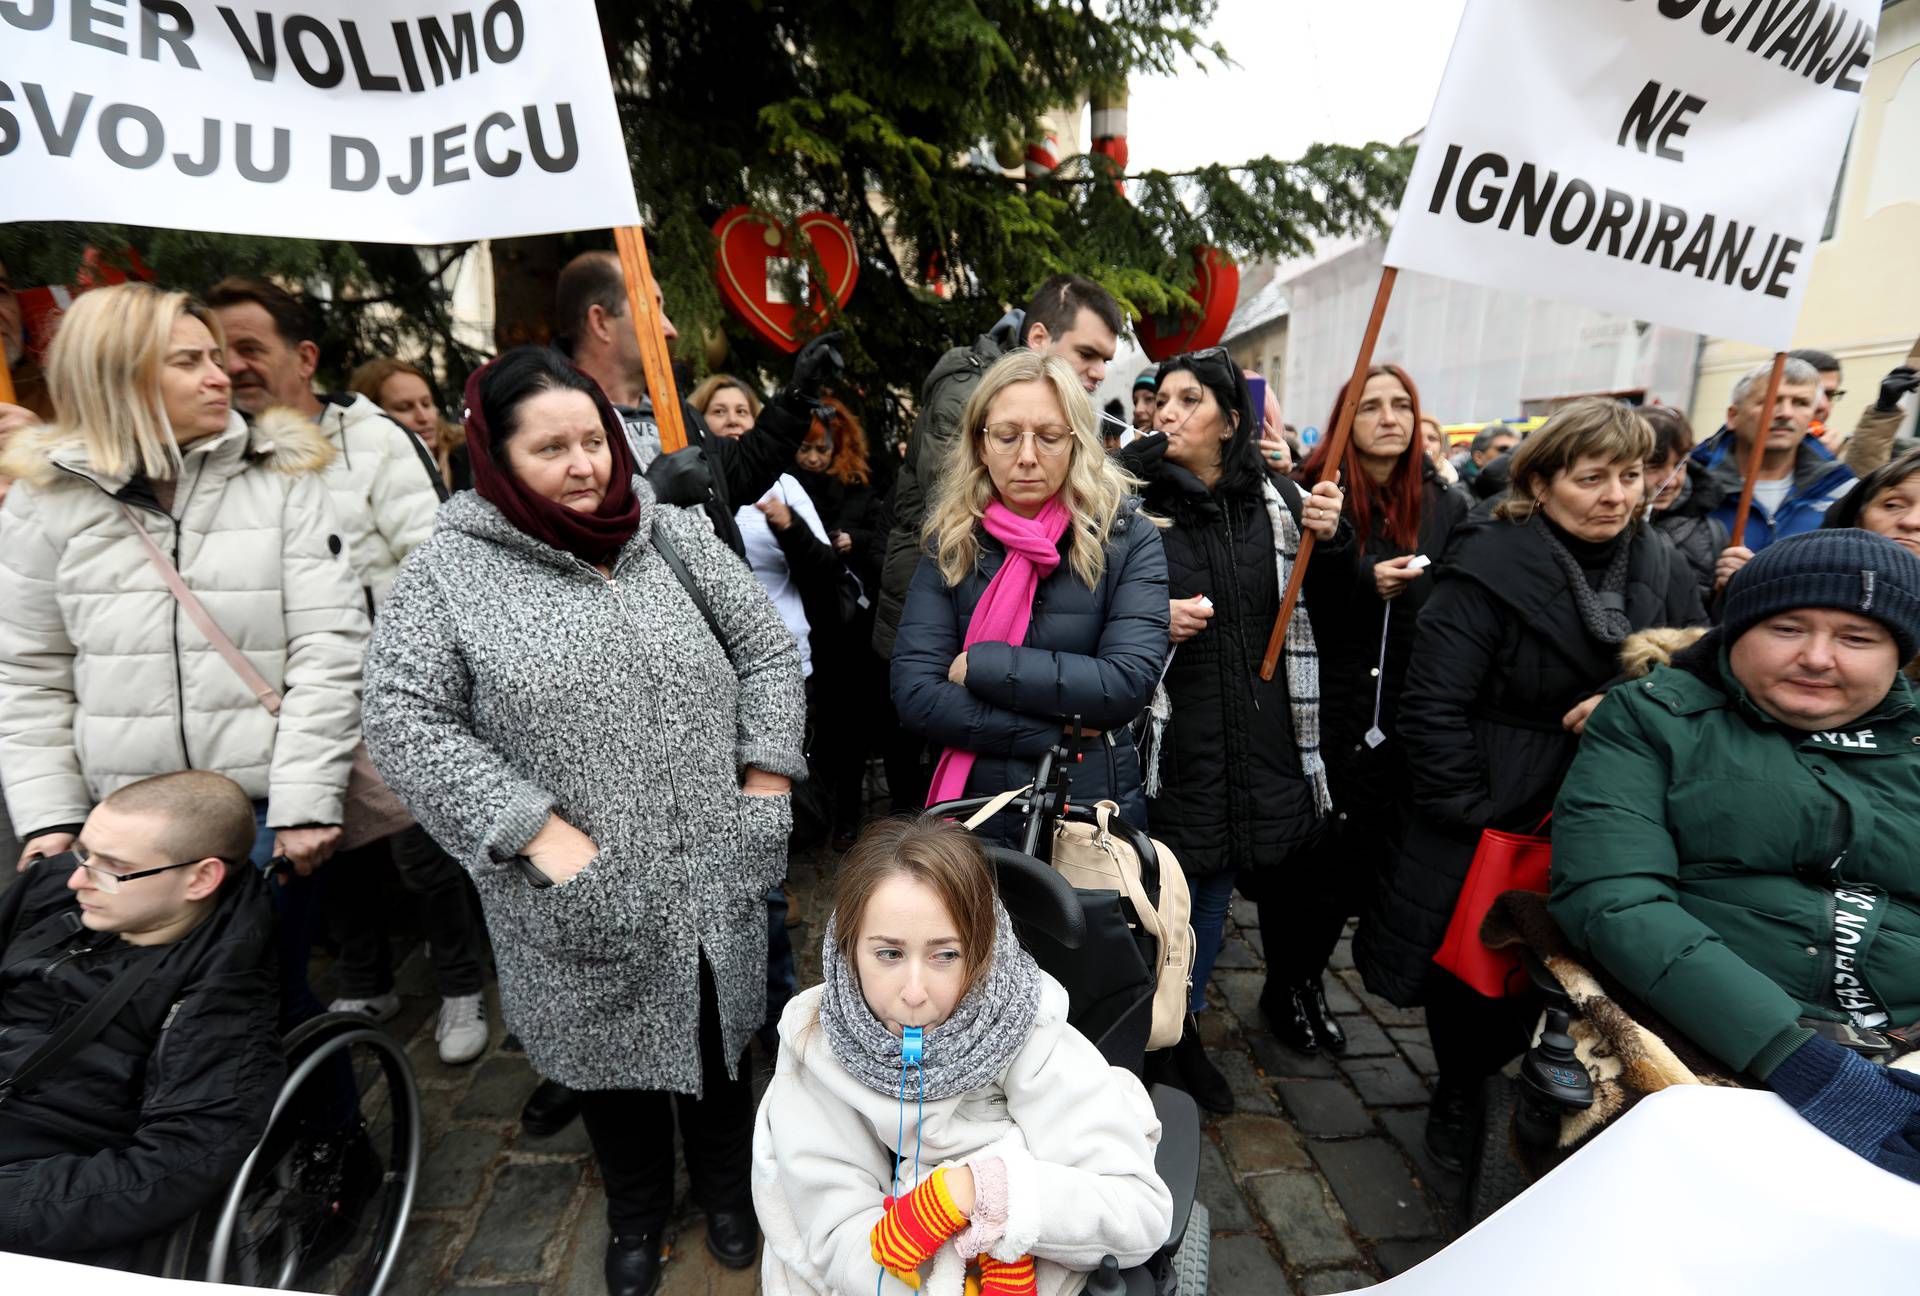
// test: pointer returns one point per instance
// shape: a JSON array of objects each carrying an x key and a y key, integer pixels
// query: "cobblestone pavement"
[{"x": 1318, "y": 1183}]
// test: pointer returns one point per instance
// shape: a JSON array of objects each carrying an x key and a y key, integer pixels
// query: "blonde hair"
[
  {"x": 373, "y": 375},
  {"x": 712, "y": 385},
  {"x": 103, "y": 373},
  {"x": 1592, "y": 425},
  {"x": 1093, "y": 493}
]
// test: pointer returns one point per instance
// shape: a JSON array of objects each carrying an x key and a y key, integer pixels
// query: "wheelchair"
[
  {"x": 321, "y": 1204},
  {"x": 1093, "y": 944}
]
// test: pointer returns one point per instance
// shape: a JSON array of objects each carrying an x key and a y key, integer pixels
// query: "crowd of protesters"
[{"x": 615, "y": 688}]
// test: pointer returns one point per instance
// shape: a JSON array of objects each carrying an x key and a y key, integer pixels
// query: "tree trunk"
[{"x": 525, "y": 272}]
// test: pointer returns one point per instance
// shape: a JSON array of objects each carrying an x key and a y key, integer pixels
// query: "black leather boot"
[
  {"x": 549, "y": 1109},
  {"x": 1450, "y": 1126},
  {"x": 633, "y": 1264},
  {"x": 733, "y": 1237},
  {"x": 1285, "y": 1009},
  {"x": 1197, "y": 1073},
  {"x": 1312, "y": 995}
]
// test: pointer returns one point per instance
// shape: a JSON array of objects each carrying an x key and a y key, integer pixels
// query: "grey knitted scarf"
[
  {"x": 965, "y": 1051},
  {"x": 1603, "y": 612}
]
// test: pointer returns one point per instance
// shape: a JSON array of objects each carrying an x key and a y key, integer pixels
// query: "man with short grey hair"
[
  {"x": 1489, "y": 443},
  {"x": 1799, "y": 479}
]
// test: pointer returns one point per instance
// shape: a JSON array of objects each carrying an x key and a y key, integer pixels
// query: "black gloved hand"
[
  {"x": 818, "y": 364},
  {"x": 1139, "y": 455},
  {"x": 1895, "y": 385}
]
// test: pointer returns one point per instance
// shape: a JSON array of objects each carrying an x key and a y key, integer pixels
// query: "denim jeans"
[{"x": 1212, "y": 896}]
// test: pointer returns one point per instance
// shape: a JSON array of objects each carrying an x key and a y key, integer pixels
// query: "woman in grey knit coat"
[{"x": 553, "y": 707}]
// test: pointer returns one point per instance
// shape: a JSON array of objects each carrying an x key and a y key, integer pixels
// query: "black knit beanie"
[{"x": 1849, "y": 569}]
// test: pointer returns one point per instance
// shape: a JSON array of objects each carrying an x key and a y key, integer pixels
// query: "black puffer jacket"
[
  {"x": 1348, "y": 630},
  {"x": 151, "y": 1121},
  {"x": 1500, "y": 656},
  {"x": 1690, "y": 527},
  {"x": 1091, "y": 653},
  {"x": 1232, "y": 795}
]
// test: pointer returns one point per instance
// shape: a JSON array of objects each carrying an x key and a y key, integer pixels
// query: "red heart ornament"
[
  {"x": 1217, "y": 290},
  {"x": 748, "y": 240}
]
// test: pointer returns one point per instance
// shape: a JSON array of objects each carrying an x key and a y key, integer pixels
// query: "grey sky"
[{"x": 1345, "y": 72}]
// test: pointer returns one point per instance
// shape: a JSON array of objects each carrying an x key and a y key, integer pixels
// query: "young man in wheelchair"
[
  {"x": 138, "y": 1054},
  {"x": 1736, "y": 839}
]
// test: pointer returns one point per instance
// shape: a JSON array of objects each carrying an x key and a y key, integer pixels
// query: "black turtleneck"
[{"x": 1592, "y": 556}]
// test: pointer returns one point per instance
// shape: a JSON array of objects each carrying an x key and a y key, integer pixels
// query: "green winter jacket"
[{"x": 1738, "y": 874}]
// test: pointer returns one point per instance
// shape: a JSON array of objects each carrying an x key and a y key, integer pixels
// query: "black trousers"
[
  {"x": 1304, "y": 905},
  {"x": 454, "y": 933},
  {"x": 1474, "y": 1036},
  {"x": 632, "y": 1135}
]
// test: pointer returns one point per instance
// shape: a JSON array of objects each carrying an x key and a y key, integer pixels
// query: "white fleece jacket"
[{"x": 1077, "y": 1138}]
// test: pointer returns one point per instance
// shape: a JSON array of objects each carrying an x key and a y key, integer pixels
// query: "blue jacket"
[
  {"x": 1818, "y": 481},
  {"x": 1091, "y": 653}
]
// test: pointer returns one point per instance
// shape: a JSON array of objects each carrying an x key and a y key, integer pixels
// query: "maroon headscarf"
[{"x": 594, "y": 537}]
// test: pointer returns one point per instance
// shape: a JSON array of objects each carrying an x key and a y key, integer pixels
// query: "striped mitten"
[
  {"x": 1007, "y": 1278},
  {"x": 914, "y": 1227}
]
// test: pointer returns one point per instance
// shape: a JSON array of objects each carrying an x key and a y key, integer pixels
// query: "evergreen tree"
[{"x": 881, "y": 112}]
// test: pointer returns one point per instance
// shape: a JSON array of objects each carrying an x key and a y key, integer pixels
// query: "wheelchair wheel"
[
  {"x": 1194, "y": 1259},
  {"x": 1497, "y": 1174},
  {"x": 322, "y": 1203}
]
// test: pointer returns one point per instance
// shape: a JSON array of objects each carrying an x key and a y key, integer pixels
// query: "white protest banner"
[
  {"x": 1666, "y": 160},
  {"x": 431, "y": 121}
]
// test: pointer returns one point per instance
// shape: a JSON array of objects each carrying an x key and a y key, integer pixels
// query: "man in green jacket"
[{"x": 1735, "y": 841}]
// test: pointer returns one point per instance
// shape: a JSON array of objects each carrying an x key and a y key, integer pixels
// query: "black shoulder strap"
[
  {"x": 80, "y": 1030},
  {"x": 680, "y": 573},
  {"x": 1290, "y": 495}
]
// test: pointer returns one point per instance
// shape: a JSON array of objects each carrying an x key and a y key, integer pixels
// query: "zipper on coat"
[
  {"x": 613, "y": 583},
  {"x": 166, "y": 1027}
]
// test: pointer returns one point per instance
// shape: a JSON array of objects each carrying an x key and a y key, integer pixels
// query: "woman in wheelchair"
[
  {"x": 1734, "y": 842},
  {"x": 138, "y": 1056},
  {"x": 934, "y": 1122}
]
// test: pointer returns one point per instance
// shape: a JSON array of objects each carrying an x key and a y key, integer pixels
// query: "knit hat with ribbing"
[{"x": 1848, "y": 569}]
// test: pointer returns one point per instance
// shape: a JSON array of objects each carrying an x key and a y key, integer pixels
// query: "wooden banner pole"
[
  {"x": 1336, "y": 453},
  {"x": 1758, "y": 450},
  {"x": 654, "y": 357},
  {"x": 6, "y": 380}
]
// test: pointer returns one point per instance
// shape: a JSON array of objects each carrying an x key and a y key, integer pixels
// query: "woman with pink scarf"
[{"x": 1040, "y": 603}]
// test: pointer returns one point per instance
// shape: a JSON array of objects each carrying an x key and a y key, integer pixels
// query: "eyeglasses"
[
  {"x": 1051, "y": 440},
  {"x": 107, "y": 879}
]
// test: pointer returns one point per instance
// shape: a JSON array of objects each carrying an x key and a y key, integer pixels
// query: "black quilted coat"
[
  {"x": 1500, "y": 655},
  {"x": 1232, "y": 794},
  {"x": 1090, "y": 653}
]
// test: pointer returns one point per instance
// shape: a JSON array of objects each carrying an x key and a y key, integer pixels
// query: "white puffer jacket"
[
  {"x": 384, "y": 486},
  {"x": 104, "y": 681},
  {"x": 1077, "y": 1138}
]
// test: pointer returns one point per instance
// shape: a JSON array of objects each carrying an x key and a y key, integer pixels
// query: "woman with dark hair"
[
  {"x": 1886, "y": 502},
  {"x": 1681, "y": 497},
  {"x": 1520, "y": 636},
  {"x": 1234, "y": 773},
  {"x": 1400, "y": 509},
  {"x": 586, "y": 698}
]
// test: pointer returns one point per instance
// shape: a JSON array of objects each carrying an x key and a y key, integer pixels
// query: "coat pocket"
[
  {"x": 765, "y": 822},
  {"x": 590, "y": 913}
]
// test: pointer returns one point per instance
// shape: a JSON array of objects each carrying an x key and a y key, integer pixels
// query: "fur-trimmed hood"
[{"x": 281, "y": 440}]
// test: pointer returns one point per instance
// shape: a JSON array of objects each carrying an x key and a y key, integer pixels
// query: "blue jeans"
[
  {"x": 1212, "y": 896},
  {"x": 296, "y": 910}
]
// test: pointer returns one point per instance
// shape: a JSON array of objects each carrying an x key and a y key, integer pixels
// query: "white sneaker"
[
  {"x": 379, "y": 1007},
  {"x": 462, "y": 1031}
]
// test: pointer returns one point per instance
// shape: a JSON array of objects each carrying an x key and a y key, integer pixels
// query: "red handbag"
[{"x": 1503, "y": 861}]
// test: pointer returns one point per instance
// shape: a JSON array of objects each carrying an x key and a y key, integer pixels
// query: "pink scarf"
[{"x": 1006, "y": 609}]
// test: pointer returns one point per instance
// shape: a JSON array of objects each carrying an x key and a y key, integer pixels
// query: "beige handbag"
[
  {"x": 371, "y": 811},
  {"x": 1092, "y": 858}
]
